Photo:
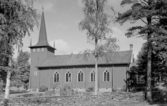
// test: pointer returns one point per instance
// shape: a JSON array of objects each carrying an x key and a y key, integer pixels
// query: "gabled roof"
[{"x": 120, "y": 57}]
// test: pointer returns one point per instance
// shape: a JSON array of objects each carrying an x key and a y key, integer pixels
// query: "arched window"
[
  {"x": 92, "y": 76},
  {"x": 56, "y": 77},
  {"x": 80, "y": 76},
  {"x": 106, "y": 75},
  {"x": 68, "y": 77}
]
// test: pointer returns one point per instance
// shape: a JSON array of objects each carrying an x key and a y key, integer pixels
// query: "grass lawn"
[{"x": 112, "y": 99}]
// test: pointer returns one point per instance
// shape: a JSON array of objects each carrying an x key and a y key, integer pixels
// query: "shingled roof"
[{"x": 121, "y": 57}]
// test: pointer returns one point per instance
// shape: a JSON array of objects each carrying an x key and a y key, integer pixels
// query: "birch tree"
[
  {"x": 96, "y": 24},
  {"x": 17, "y": 19}
]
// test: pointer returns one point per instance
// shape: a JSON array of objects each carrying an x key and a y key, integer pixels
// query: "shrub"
[
  {"x": 123, "y": 88},
  {"x": 90, "y": 89},
  {"x": 159, "y": 93},
  {"x": 56, "y": 86},
  {"x": 50, "y": 93},
  {"x": 66, "y": 90},
  {"x": 33, "y": 89},
  {"x": 43, "y": 89},
  {"x": 27, "y": 95}
]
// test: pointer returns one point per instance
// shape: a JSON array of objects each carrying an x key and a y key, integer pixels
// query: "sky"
[{"x": 62, "y": 19}]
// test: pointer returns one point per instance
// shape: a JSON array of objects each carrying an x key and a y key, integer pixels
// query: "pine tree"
[{"x": 150, "y": 13}]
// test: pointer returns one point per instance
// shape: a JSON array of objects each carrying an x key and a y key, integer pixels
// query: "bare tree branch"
[
  {"x": 143, "y": 2},
  {"x": 143, "y": 21}
]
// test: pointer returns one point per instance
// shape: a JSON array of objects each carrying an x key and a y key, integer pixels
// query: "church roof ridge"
[
  {"x": 90, "y": 53},
  {"x": 118, "y": 57}
]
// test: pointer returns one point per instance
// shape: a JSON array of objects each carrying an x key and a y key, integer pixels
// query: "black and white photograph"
[{"x": 83, "y": 52}]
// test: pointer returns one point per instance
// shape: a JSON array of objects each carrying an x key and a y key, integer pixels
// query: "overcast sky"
[{"x": 62, "y": 18}]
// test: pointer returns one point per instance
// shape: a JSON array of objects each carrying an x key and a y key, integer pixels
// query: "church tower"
[{"x": 39, "y": 52}]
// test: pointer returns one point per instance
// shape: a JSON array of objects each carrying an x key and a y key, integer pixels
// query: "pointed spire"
[{"x": 42, "y": 41}]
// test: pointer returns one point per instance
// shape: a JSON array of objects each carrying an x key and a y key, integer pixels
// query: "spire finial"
[{"x": 42, "y": 8}]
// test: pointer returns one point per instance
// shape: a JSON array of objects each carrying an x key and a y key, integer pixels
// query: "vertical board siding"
[
  {"x": 102, "y": 83},
  {"x": 88, "y": 81},
  {"x": 55, "y": 84},
  {"x": 80, "y": 85},
  {"x": 44, "y": 78},
  {"x": 119, "y": 77}
]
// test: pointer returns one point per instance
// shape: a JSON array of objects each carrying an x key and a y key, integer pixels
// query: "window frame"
[
  {"x": 34, "y": 50},
  {"x": 35, "y": 73},
  {"x": 68, "y": 72},
  {"x": 42, "y": 49},
  {"x": 79, "y": 72},
  {"x": 93, "y": 71},
  {"x": 107, "y": 79},
  {"x": 140, "y": 79},
  {"x": 56, "y": 72}
]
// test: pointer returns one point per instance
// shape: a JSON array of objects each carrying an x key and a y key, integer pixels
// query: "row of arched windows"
[{"x": 80, "y": 76}]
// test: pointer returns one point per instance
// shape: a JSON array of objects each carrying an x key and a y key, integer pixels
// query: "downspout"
[
  {"x": 85, "y": 78},
  {"x": 50, "y": 79},
  {"x": 61, "y": 77},
  {"x": 38, "y": 80},
  {"x": 29, "y": 87},
  {"x": 126, "y": 78},
  {"x": 112, "y": 78}
]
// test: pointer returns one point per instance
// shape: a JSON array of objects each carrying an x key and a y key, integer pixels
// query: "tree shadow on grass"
[{"x": 18, "y": 92}]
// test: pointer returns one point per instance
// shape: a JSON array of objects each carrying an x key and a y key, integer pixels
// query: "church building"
[{"x": 50, "y": 70}]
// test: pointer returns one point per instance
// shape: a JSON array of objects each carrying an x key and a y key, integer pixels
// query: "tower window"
[
  {"x": 34, "y": 50},
  {"x": 56, "y": 77},
  {"x": 35, "y": 73},
  {"x": 106, "y": 75},
  {"x": 38, "y": 50},
  {"x": 92, "y": 76},
  {"x": 80, "y": 76},
  {"x": 68, "y": 77},
  {"x": 42, "y": 49}
]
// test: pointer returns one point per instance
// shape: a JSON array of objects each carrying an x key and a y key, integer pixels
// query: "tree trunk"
[
  {"x": 96, "y": 67},
  {"x": 7, "y": 88},
  {"x": 149, "y": 61},
  {"x": 96, "y": 76}
]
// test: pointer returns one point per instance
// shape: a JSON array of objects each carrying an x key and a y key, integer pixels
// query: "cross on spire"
[{"x": 42, "y": 8}]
